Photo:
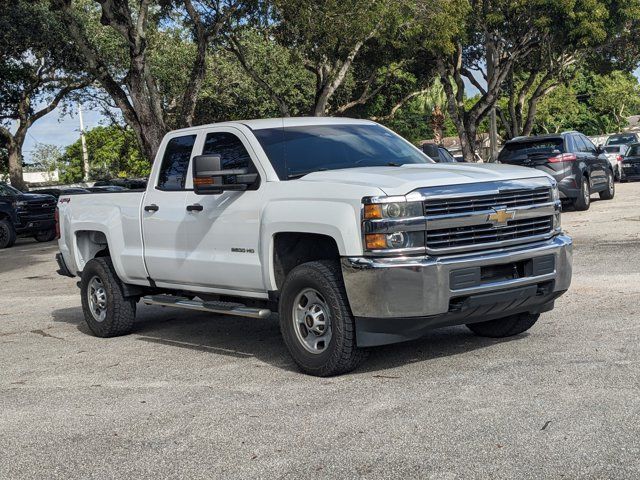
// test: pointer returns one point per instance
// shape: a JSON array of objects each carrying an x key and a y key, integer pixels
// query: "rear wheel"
[
  {"x": 7, "y": 234},
  {"x": 505, "y": 327},
  {"x": 107, "y": 312},
  {"x": 610, "y": 192},
  {"x": 584, "y": 196},
  {"x": 316, "y": 322},
  {"x": 45, "y": 235}
]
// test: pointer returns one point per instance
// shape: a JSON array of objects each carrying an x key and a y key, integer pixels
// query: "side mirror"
[{"x": 210, "y": 179}]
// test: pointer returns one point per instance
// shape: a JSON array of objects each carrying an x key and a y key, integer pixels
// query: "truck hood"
[
  {"x": 36, "y": 198},
  {"x": 404, "y": 179}
]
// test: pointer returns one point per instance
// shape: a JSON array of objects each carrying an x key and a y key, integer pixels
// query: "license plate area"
[{"x": 471, "y": 277}]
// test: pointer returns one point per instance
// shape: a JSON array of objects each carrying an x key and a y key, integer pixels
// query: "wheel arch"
[
  {"x": 90, "y": 244},
  {"x": 290, "y": 249}
]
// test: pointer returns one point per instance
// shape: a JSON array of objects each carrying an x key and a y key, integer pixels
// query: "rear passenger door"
[{"x": 163, "y": 214}]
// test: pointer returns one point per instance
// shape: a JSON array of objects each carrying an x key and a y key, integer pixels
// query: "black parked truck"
[
  {"x": 579, "y": 167},
  {"x": 25, "y": 214}
]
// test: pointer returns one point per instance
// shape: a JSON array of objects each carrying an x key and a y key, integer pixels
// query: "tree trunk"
[
  {"x": 468, "y": 141},
  {"x": 437, "y": 123},
  {"x": 15, "y": 164}
]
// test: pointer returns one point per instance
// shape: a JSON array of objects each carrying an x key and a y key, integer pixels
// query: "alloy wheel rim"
[
  {"x": 97, "y": 297},
  {"x": 312, "y": 321}
]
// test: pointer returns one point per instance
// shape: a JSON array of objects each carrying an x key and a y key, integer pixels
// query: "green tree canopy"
[
  {"x": 38, "y": 69},
  {"x": 113, "y": 152}
]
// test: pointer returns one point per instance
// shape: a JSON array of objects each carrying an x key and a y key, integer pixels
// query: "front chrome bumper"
[{"x": 421, "y": 286}]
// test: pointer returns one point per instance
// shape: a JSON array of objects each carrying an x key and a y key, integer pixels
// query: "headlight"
[
  {"x": 555, "y": 193},
  {"x": 392, "y": 210},
  {"x": 394, "y": 241},
  {"x": 20, "y": 203},
  {"x": 393, "y": 226}
]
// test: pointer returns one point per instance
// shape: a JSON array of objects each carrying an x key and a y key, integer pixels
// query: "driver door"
[{"x": 223, "y": 230}]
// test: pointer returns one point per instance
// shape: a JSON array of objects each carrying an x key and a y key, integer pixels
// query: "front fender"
[{"x": 338, "y": 220}]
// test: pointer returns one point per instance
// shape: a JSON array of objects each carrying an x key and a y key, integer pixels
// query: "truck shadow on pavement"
[{"x": 245, "y": 338}]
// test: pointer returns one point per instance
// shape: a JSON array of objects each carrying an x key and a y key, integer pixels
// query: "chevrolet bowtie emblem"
[{"x": 501, "y": 216}]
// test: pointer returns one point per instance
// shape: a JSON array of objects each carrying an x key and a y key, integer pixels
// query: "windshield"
[
  {"x": 8, "y": 190},
  {"x": 297, "y": 151},
  {"x": 621, "y": 139}
]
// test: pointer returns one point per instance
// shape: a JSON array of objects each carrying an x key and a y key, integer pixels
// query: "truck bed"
[{"x": 115, "y": 213}]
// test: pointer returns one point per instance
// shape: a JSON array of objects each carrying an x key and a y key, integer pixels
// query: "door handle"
[
  {"x": 151, "y": 208},
  {"x": 196, "y": 207}
]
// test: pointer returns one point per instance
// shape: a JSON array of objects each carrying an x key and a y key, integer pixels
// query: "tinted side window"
[
  {"x": 579, "y": 143},
  {"x": 445, "y": 156},
  {"x": 232, "y": 152},
  {"x": 589, "y": 144},
  {"x": 175, "y": 163}
]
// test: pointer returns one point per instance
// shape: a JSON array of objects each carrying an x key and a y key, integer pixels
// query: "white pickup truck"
[{"x": 354, "y": 235}]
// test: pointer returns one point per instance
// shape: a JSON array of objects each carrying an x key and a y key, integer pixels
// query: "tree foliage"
[
  {"x": 591, "y": 103},
  {"x": 522, "y": 48},
  {"x": 113, "y": 152},
  {"x": 38, "y": 70}
]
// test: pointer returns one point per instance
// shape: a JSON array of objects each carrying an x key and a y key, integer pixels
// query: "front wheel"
[
  {"x": 610, "y": 192},
  {"x": 505, "y": 327},
  {"x": 316, "y": 322},
  {"x": 7, "y": 234},
  {"x": 584, "y": 196},
  {"x": 45, "y": 235},
  {"x": 107, "y": 312}
]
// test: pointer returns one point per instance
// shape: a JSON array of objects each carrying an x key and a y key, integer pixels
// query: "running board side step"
[{"x": 224, "y": 308}]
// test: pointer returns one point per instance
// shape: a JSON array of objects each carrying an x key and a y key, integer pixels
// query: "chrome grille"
[
  {"x": 509, "y": 199},
  {"x": 468, "y": 236}
]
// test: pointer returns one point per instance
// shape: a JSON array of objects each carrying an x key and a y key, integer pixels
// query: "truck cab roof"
[{"x": 282, "y": 122}]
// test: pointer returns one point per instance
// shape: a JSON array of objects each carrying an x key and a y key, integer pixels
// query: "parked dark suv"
[
  {"x": 630, "y": 163},
  {"x": 25, "y": 214},
  {"x": 579, "y": 167}
]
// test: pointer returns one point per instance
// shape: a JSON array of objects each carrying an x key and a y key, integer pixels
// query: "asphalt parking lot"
[{"x": 196, "y": 396}]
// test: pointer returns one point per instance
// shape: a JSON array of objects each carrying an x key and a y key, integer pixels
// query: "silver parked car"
[{"x": 615, "y": 154}]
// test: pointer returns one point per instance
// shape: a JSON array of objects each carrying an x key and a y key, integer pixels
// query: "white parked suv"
[{"x": 351, "y": 233}]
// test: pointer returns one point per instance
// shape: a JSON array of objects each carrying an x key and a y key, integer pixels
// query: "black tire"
[
  {"x": 340, "y": 354},
  {"x": 7, "y": 234},
  {"x": 505, "y": 327},
  {"x": 45, "y": 236},
  {"x": 583, "y": 202},
  {"x": 610, "y": 192},
  {"x": 119, "y": 312}
]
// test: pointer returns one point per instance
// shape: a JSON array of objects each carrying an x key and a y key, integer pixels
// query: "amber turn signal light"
[
  {"x": 376, "y": 241},
  {"x": 200, "y": 181},
  {"x": 372, "y": 212}
]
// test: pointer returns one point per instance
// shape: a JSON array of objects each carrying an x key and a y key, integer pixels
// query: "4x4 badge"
[{"x": 501, "y": 216}]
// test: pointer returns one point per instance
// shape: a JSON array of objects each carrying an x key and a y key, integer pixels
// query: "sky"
[{"x": 63, "y": 130}]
